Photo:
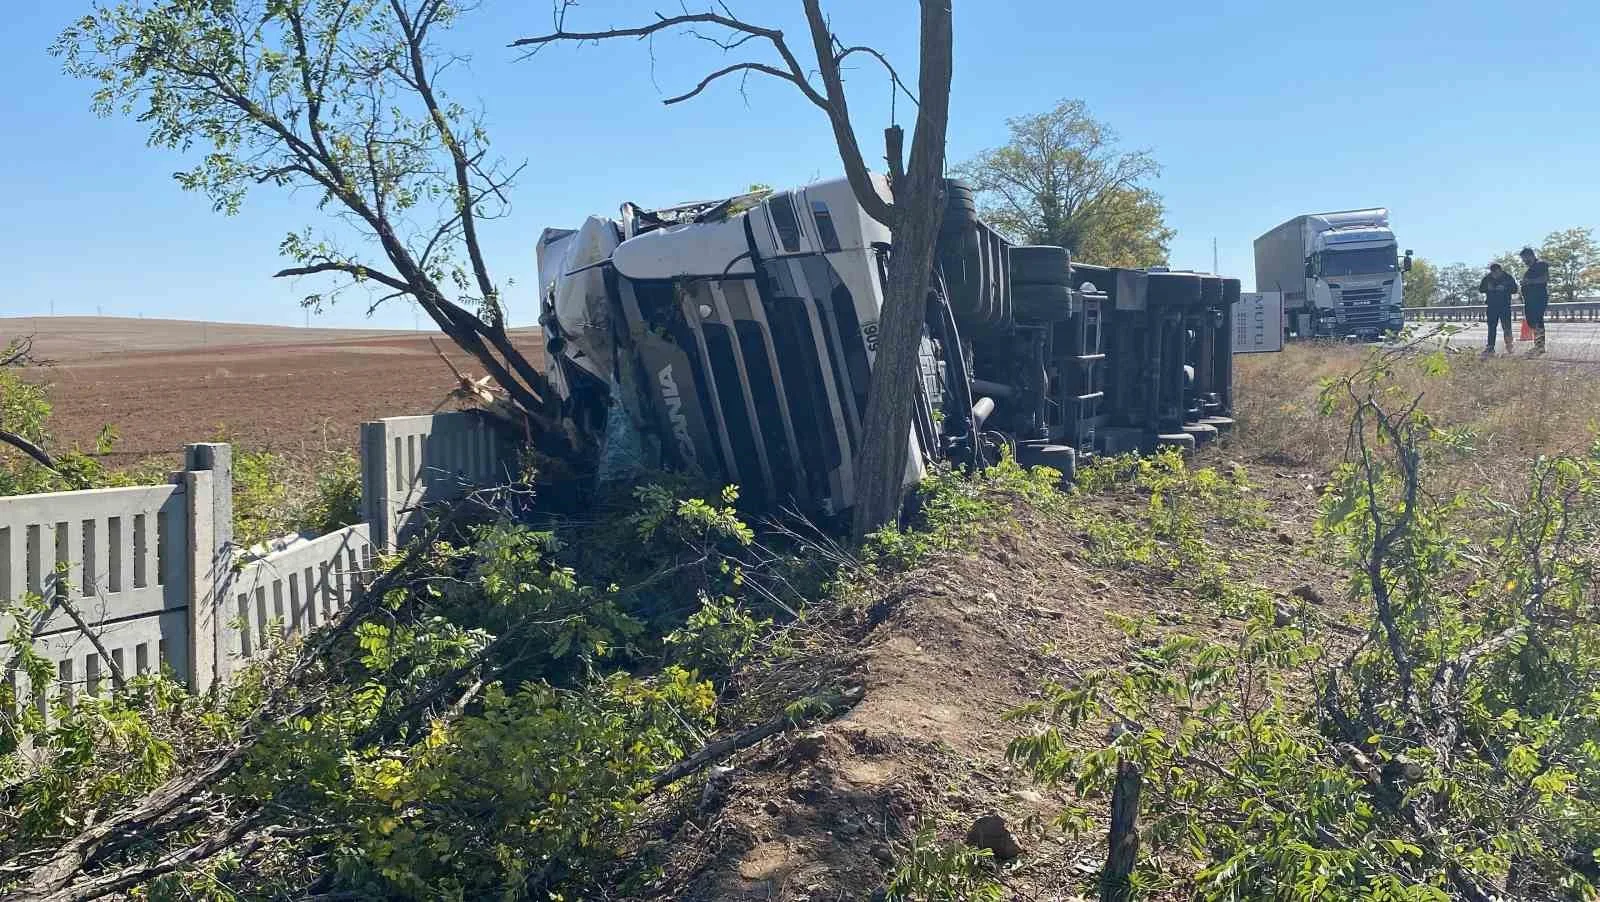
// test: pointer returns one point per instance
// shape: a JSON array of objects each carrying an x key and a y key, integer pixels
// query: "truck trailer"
[
  {"x": 735, "y": 339},
  {"x": 1340, "y": 274}
]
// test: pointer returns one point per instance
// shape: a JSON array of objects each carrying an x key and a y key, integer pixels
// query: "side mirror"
[
  {"x": 1405, "y": 265},
  {"x": 1311, "y": 269}
]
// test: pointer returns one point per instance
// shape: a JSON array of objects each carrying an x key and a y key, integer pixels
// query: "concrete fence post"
[
  {"x": 208, "y": 482},
  {"x": 376, "y": 480}
]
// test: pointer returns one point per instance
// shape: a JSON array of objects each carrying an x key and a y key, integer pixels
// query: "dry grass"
[{"x": 1517, "y": 409}]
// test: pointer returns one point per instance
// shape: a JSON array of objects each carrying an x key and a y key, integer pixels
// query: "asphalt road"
[{"x": 1577, "y": 342}]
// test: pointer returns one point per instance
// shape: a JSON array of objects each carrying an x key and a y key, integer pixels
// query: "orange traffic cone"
[{"x": 1527, "y": 331}]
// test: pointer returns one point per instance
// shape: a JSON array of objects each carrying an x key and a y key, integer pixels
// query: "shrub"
[
  {"x": 951, "y": 506},
  {"x": 335, "y": 500},
  {"x": 929, "y": 871},
  {"x": 717, "y": 637},
  {"x": 540, "y": 785},
  {"x": 1450, "y": 755}
]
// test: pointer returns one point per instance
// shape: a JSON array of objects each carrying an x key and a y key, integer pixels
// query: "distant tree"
[
  {"x": 1421, "y": 283},
  {"x": 1574, "y": 259},
  {"x": 1510, "y": 262},
  {"x": 336, "y": 103},
  {"x": 1458, "y": 284},
  {"x": 1129, "y": 230},
  {"x": 1062, "y": 180}
]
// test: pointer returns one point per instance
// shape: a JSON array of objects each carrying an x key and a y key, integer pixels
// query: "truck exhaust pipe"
[{"x": 980, "y": 412}]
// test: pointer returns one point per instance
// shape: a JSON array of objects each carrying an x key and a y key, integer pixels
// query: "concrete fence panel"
[
  {"x": 409, "y": 462},
  {"x": 294, "y": 591},
  {"x": 132, "y": 580},
  {"x": 115, "y": 559}
]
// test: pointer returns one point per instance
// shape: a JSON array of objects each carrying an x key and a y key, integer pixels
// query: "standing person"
[
  {"x": 1497, "y": 288},
  {"x": 1535, "y": 296}
]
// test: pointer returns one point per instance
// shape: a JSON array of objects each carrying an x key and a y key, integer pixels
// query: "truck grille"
[
  {"x": 1363, "y": 308},
  {"x": 777, "y": 371},
  {"x": 804, "y": 383},
  {"x": 789, "y": 379}
]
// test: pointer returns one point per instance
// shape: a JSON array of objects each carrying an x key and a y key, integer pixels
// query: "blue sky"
[{"x": 1477, "y": 122}]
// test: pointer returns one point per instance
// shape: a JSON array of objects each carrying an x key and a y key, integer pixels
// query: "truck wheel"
[
  {"x": 1061, "y": 458},
  {"x": 959, "y": 197},
  {"x": 1041, "y": 303},
  {"x": 960, "y": 210},
  {"x": 1040, "y": 264}
]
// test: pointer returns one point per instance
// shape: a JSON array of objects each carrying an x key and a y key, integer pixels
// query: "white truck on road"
[{"x": 1340, "y": 274}]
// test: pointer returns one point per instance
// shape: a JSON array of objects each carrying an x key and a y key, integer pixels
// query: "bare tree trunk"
[
  {"x": 919, "y": 202},
  {"x": 1122, "y": 850}
]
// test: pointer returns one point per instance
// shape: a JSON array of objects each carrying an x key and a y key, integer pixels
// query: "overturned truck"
[{"x": 735, "y": 339}]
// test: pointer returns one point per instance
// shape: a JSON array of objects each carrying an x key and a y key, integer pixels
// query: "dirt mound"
[{"x": 972, "y": 636}]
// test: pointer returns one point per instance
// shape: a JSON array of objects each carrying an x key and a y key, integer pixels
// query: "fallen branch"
[
  {"x": 117, "y": 681},
  {"x": 29, "y": 448},
  {"x": 19, "y": 352},
  {"x": 722, "y": 748}
]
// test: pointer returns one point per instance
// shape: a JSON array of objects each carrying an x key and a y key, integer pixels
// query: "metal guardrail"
[{"x": 1586, "y": 310}]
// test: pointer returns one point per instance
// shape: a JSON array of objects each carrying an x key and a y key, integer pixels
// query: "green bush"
[
  {"x": 1452, "y": 754},
  {"x": 929, "y": 871},
  {"x": 539, "y": 786},
  {"x": 953, "y": 506},
  {"x": 274, "y": 496},
  {"x": 716, "y": 638}
]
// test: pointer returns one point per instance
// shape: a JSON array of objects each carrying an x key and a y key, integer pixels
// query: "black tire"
[
  {"x": 1041, "y": 303},
  {"x": 960, "y": 211},
  {"x": 960, "y": 196},
  {"x": 1061, "y": 458},
  {"x": 1175, "y": 289},
  {"x": 1040, "y": 264}
]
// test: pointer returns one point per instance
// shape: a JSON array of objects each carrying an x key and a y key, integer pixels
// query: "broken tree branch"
[
  {"x": 722, "y": 748},
  {"x": 29, "y": 448},
  {"x": 117, "y": 682}
]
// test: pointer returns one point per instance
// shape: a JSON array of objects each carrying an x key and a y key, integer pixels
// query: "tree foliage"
[
  {"x": 1458, "y": 283},
  {"x": 1574, "y": 258},
  {"x": 1061, "y": 179},
  {"x": 336, "y": 101},
  {"x": 1421, "y": 283}
]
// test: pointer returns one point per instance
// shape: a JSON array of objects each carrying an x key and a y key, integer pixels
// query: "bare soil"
[
  {"x": 165, "y": 383},
  {"x": 822, "y": 815}
]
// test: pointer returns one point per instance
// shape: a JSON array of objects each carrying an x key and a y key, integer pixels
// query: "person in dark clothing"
[
  {"x": 1535, "y": 296},
  {"x": 1497, "y": 288}
]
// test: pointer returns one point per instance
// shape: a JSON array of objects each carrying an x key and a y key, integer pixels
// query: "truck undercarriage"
[{"x": 735, "y": 340}]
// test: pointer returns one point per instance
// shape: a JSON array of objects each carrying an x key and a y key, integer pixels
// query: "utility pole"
[{"x": 1214, "y": 269}]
